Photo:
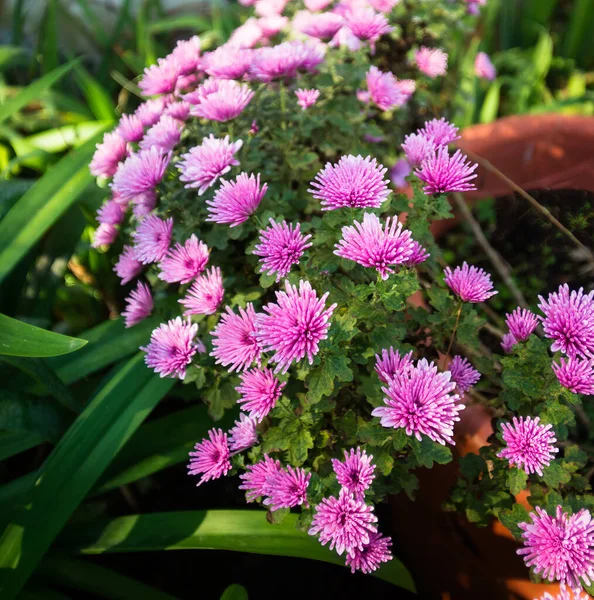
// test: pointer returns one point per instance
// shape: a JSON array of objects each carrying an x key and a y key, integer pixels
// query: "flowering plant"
[{"x": 254, "y": 212}]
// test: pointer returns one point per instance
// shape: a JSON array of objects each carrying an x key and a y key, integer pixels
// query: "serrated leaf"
[
  {"x": 555, "y": 475},
  {"x": 427, "y": 452},
  {"x": 511, "y": 517},
  {"x": 516, "y": 480},
  {"x": 300, "y": 444}
]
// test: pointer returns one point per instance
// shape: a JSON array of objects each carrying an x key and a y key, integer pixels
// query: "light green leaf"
[
  {"x": 11, "y": 55},
  {"x": 67, "y": 136},
  {"x": 235, "y": 592},
  {"x": 95, "y": 94},
  {"x": 516, "y": 480}
]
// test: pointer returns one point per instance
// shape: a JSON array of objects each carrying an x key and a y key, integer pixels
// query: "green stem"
[
  {"x": 455, "y": 328},
  {"x": 283, "y": 105}
]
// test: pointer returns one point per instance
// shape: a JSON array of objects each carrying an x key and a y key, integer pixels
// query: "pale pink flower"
[
  {"x": 111, "y": 212},
  {"x": 128, "y": 266},
  {"x": 306, "y": 98},
  {"x": 104, "y": 235},
  {"x": 322, "y": 26},
  {"x": 285, "y": 60},
  {"x": 235, "y": 201},
  {"x": 143, "y": 204},
  {"x": 464, "y": 375},
  {"x": 345, "y": 38},
  {"x": 384, "y": 6},
  {"x": 179, "y": 110},
  {"x": 160, "y": 78},
  {"x": 433, "y": 62},
  {"x": 260, "y": 391},
  {"x": 130, "y": 128},
  {"x": 444, "y": 173},
  {"x": 316, "y": 5},
  {"x": 576, "y": 374},
  {"x": 374, "y": 553},
  {"x": 244, "y": 434},
  {"x": 265, "y": 8},
  {"x": 139, "y": 305},
  {"x": 140, "y": 173},
  {"x": 272, "y": 25},
  {"x": 287, "y": 488},
  {"x": 152, "y": 238},
  {"x": 442, "y": 132},
  {"x": 484, "y": 68},
  {"x": 164, "y": 135},
  {"x": 508, "y": 342},
  {"x": 366, "y": 24},
  {"x": 183, "y": 263},
  {"x": 211, "y": 457},
  {"x": 521, "y": 323},
  {"x": 469, "y": 283},
  {"x": 150, "y": 112},
  {"x": 226, "y": 104},
  {"x": 203, "y": 91},
  {"x": 110, "y": 152},
  {"x": 356, "y": 472},
  {"x": 228, "y": 62},
  {"x": 255, "y": 479},
  {"x": 392, "y": 363},
  {"x": 205, "y": 295},
  {"x": 385, "y": 90},
  {"x": 419, "y": 255},
  {"x": 247, "y": 35},
  {"x": 186, "y": 55},
  {"x": 417, "y": 147}
]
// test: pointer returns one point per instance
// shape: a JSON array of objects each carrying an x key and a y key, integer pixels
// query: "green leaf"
[
  {"x": 97, "y": 97},
  {"x": 321, "y": 380},
  {"x": 235, "y": 592},
  {"x": 11, "y": 55},
  {"x": 428, "y": 452},
  {"x": 81, "y": 456},
  {"x": 490, "y": 107},
  {"x": 63, "y": 138},
  {"x": 516, "y": 480},
  {"x": 43, "y": 204},
  {"x": 555, "y": 475},
  {"x": 21, "y": 339},
  {"x": 14, "y": 442},
  {"x": 301, "y": 443},
  {"x": 511, "y": 517},
  {"x": 237, "y": 530}
]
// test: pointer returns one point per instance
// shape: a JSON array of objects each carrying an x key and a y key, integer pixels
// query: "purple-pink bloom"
[
  {"x": 204, "y": 164},
  {"x": 399, "y": 172},
  {"x": 444, "y": 173},
  {"x": 226, "y": 104},
  {"x": 384, "y": 6},
  {"x": 140, "y": 173},
  {"x": 353, "y": 182},
  {"x": 244, "y": 434},
  {"x": 528, "y": 445},
  {"x": 255, "y": 479},
  {"x": 373, "y": 554},
  {"x": 469, "y": 283},
  {"x": 152, "y": 238},
  {"x": 322, "y": 26},
  {"x": 345, "y": 38},
  {"x": 246, "y": 35},
  {"x": 285, "y": 60},
  {"x": 433, "y": 62},
  {"x": 205, "y": 295},
  {"x": 316, "y": 5},
  {"x": 130, "y": 128},
  {"x": 569, "y": 321},
  {"x": 183, "y": 263},
  {"x": 385, "y": 90},
  {"x": 272, "y": 25},
  {"x": 561, "y": 547},
  {"x": 235, "y": 201},
  {"x": 228, "y": 62},
  {"x": 565, "y": 594},
  {"x": 347, "y": 523},
  {"x": 483, "y": 67},
  {"x": 164, "y": 135},
  {"x": 281, "y": 246},
  {"x": 186, "y": 55},
  {"x": 211, "y": 457},
  {"x": 508, "y": 342},
  {"x": 366, "y": 24},
  {"x": 356, "y": 472},
  {"x": 464, "y": 375},
  {"x": 203, "y": 91},
  {"x": 521, "y": 323},
  {"x": 473, "y": 6},
  {"x": 391, "y": 363},
  {"x": 265, "y": 8},
  {"x": 110, "y": 152},
  {"x": 287, "y": 488},
  {"x": 417, "y": 147},
  {"x": 179, "y": 110},
  {"x": 160, "y": 78},
  {"x": 576, "y": 374},
  {"x": 234, "y": 339},
  {"x": 150, "y": 112},
  {"x": 139, "y": 305},
  {"x": 419, "y": 255},
  {"x": 375, "y": 246},
  {"x": 294, "y": 326},
  {"x": 143, "y": 204},
  {"x": 306, "y": 98},
  {"x": 172, "y": 346},
  {"x": 128, "y": 266},
  {"x": 420, "y": 400},
  {"x": 260, "y": 391},
  {"x": 104, "y": 235},
  {"x": 441, "y": 131},
  {"x": 111, "y": 212}
]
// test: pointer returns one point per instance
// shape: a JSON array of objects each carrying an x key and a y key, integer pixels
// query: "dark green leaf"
[
  {"x": 516, "y": 480},
  {"x": 511, "y": 518}
]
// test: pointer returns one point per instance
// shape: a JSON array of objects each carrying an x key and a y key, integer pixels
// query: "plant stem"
[
  {"x": 283, "y": 105},
  {"x": 455, "y": 328},
  {"x": 231, "y": 131}
]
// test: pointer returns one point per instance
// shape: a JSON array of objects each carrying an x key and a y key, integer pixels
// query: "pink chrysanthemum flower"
[
  {"x": 226, "y": 104},
  {"x": 128, "y": 266},
  {"x": 228, "y": 62},
  {"x": 246, "y": 35},
  {"x": 140, "y": 173},
  {"x": 255, "y": 479},
  {"x": 569, "y": 321},
  {"x": 104, "y": 235},
  {"x": 508, "y": 342},
  {"x": 281, "y": 246},
  {"x": 205, "y": 295},
  {"x": 419, "y": 255},
  {"x": 353, "y": 182},
  {"x": 321, "y": 26},
  {"x": 306, "y": 98},
  {"x": 272, "y": 25},
  {"x": 186, "y": 55},
  {"x": 234, "y": 339},
  {"x": 483, "y": 67},
  {"x": 521, "y": 323},
  {"x": 345, "y": 38},
  {"x": 473, "y": 6},
  {"x": 433, "y": 62},
  {"x": 111, "y": 212},
  {"x": 160, "y": 78},
  {"x": 469, "y": 283},
  {"x": 143, "y": 204},
  {"x": 139, "y": 305},
  {"x": 391, "y": 363},
  {"x": 366, "y": 24},
  {"x": 347, "y": 523},
  {"x": 385, "y": 90},
  {"x": 441, "y": 131},
  {"x": 179, "y": 110},
  {"x": 374, "y": 246},
  {"x": 260, "y": 391},
  {"x": 384, "y": 6},
  {"x": 244, "y": 434},
  {"x": 398, "y": 174},
  {"x": 464, "y": 375},
  {"x": 265, "y": 8},
  {"x": 565, "y": 594},
  {"x": 110, "y": 152},
  {"x": 150, "y": 112},
  {"x": 420, "y": 399},
  {"x": 164, "y": 135},
  {"x": 152, "y": 238},
  {"x": 294, "y": 326},
  {"x": 529, "y": 446},
  {"x": 235, "y": 201},
  {"x": 576, "y": 375},
  {"x": 316, "y": 5},
  {"x": 285, "y": 60},
  {"x": 356, "y": 472},
  {"x": 183, "y": 263},
  {"x": 287, "y": 488},
  {"x": 560, "y": 547},
  {"x": 130, "y": 128},
  {"x": 373, "y": 554},
  {"x": 203, "y": 91},
  {"x": 444, "y": 173},
  {"x": 210, "y": 457},
  {"x": 172, "y": 346},
  {"x": 204, "y": 164},
  {"x": 417, "y": 147}
]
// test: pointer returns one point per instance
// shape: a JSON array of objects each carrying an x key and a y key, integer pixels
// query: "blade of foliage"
[
  {"x": 43, "y": 204},
  {"x": 116, "y": 411},
  {"x": 66, "y": 137},
  {"x": 579, "y": 29},
  {"x": 22, "y": 339},
  {"x": 36, "y": 592},
  {"x": 237, "y": 530},
  {"x": 89, "y": 577},
  {"x": 12, "y": 55},
  {"x": 49, "y": 37},
  {"x": 114, "y": 37},
  {"x": 14, "y": 442},
  {"x": 97, "y": 97},
  {"x": 234, "y": 592},
  {"x": 190, "y": 22}
]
